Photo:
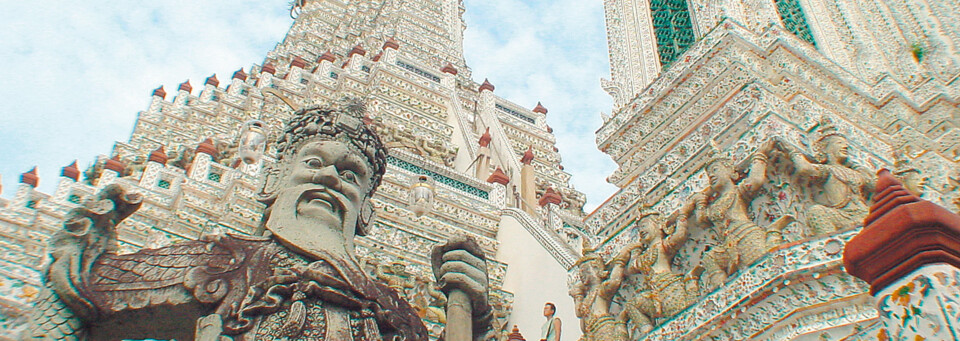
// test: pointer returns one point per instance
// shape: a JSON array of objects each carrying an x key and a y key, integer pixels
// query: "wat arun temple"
[{"x": 787, "y": 170}]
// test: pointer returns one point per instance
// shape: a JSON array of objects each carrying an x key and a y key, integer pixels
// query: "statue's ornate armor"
[
  {"x": 740, "y": 240},
  {"x": 260, "y": 289},
  {"x": 666, "y": 293}
]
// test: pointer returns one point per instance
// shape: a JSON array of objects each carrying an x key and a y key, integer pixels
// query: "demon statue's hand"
[
  {"x": 460, "y": 265},
  {"x": 88, "y": 232}
]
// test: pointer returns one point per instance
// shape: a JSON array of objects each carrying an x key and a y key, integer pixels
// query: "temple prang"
[
  {"x": 200, "y": 165},
  {"x": 751, "y": 140}
]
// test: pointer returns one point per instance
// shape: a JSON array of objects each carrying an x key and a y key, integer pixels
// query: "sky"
[{"x": 74, "y": 75}]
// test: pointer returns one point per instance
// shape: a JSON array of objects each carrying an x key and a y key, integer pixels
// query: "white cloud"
[
  {"x": 76, "y": 73},
  {"x": 555, "y": 53}
]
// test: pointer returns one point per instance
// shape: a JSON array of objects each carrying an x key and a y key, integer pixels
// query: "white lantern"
[
  {"x": 421, "y": 195},
  {"x": 253, "y": 140}
]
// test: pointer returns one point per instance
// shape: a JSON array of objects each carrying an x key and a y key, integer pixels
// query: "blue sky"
[{"x": 75, "y": 74}]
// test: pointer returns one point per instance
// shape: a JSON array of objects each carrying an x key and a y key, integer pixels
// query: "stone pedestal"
[{"x": 909, "y": 252}]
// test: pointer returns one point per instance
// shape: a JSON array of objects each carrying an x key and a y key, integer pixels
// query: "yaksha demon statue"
[{"x": 300, "y": 280}]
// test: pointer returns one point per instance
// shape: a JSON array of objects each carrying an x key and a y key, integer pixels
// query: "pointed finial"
[
  {"x": 298, "y": 62},
  {"x": 328, "y": 56},
  {"x": 498, "y": 176},
  {"x": 550, "y": 197},
  {"x": 212, "y": 80},
  {"x": 30, "y": 177},
  {"x": 160, "y": 92},
  {"x": 486, "y": 85},
  {"x": 391, "y": 44},
  {"x": 540, "y": 109},
  {"x": 185, "y": 86},
  {"x": 485, "y": 138},
  {"x": 527, "y": 156},
  {"x": 71, "y": 171},
  {"x": 357, "y": 50},
  {"x": 901, "y": 234},
  {"x": 115, "y": 164},
  {"x": 158, "y": 156},
  {"x": 515, "y": 335},
  {"x": 242, "y": 76},
  {"x": 207, "y": 147},
  {"x": 268, "y": 68},
  {"x": 449, "y": 69}
]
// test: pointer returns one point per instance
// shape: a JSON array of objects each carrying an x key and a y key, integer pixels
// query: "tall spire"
[
  {"x": 30, "y": 178},
  {"x": 323, "y": 25}
]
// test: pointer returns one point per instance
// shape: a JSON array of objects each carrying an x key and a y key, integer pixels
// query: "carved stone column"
[
  {"x": 390, "y": 48},
  {"x": 112, "y": 169},
  {"x": 550, "y": 202},
  {"x": 201, "y": 163},
  {"x": 183, "y": 94},
  {"x": 448, "y": 78},
  {"x": 528, "y": 184},
  {"x": 499, "y": 180},
  {"x": 909, "y": 252},
  {"x": 482, "y": 169},
  {"x": 156, "y": 161},
  {"x": 266, "y": 75},
  {"x": 236, "y": 82}
]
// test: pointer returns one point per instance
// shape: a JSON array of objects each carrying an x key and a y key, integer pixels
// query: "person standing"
[{"x": 551, "y": 328}]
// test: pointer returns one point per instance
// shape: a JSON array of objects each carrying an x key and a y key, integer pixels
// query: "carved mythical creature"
[
  {"x": 429, "y": 301},
  {"x": 592, "y": 296},
  {"x": 227, "y": 153},
  {"x": 300, "y": 281},
  {"x": 396, "y": 277},
  {"x": 840, "y": 187},
  {"x": 184, "y": 159},
  {"x": 724, "y": 208},
  {"x": 665, "y": 291},
  {"x": 92, "y": 173}
]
